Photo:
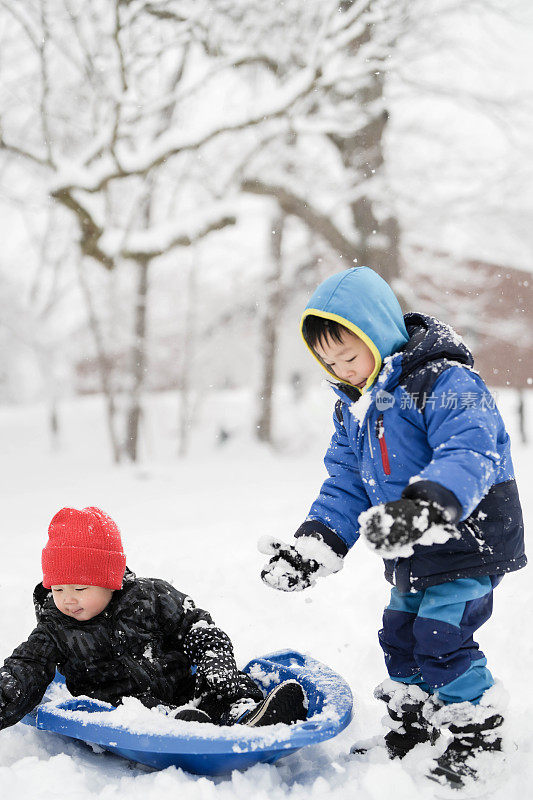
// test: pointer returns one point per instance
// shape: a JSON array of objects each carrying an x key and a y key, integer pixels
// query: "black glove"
[
  {"x": 10, "y": 691},
  {"x": 219, "y": 670},
  {"x": 391, "y": 529},
  {"x": 295, "y": 567}
]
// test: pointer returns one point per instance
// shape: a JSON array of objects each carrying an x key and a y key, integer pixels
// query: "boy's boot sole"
[
  {"x": 192, "y": 715},
  {"x": 285, "y": 703}
]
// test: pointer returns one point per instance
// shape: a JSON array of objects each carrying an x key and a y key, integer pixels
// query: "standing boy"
[{"x": 420, "y": 464}]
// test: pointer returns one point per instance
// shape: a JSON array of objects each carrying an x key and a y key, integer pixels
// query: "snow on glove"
[
  {"x": 220, "y": 672},
  {"x": 295, "y": 567},
  {"x": 391, "y": 529}
]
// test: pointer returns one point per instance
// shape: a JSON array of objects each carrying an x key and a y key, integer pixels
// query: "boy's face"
[
  {"x": 351, "y": 359},
  {"x": 80, "y": 601}
]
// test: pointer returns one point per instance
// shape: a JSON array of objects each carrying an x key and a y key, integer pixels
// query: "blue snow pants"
[{"x": 427, "y": 638}]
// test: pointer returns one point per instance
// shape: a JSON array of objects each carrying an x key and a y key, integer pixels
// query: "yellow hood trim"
[{"x": 353, "y": 329}]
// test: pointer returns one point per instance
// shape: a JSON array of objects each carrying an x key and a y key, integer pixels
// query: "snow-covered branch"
[
  {"x": 172, "y": 144},
  {"x": 295, "y": 205},
  {"x": 162, "y": 239}
]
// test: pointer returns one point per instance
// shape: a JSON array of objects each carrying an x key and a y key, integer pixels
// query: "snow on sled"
[{"x": 149, "y": 737}]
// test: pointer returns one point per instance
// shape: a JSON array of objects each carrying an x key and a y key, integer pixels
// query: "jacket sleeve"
[
  {"x": 192, "y": 627},
  {"x": 25, "y": 676},
  {"x": 342, "y": 496},
  {"x": 466, "y": 434}
]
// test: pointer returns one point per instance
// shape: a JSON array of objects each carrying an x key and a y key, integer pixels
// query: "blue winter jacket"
[{"x": 425, "y": 426}]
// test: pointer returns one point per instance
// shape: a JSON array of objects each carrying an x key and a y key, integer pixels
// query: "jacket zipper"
[
  {"x": 380, "y": 433},
  {"x": 370, "y": 439}
]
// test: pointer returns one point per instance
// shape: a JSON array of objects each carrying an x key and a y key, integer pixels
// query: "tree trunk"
[
  {"x": 379, "y": 244},
  {"x": 105, "y": 367},
  {"x": 188, "y": 339},
  {"x": 138, "y": 351},
  {"x": 269, "y": 333},
  {"x": 138, "y": 361}
]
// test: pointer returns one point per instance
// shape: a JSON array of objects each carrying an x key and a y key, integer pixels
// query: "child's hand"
[
  {"x": 391, "y": 529},
  {"x": 295, "y": 567},
  {"x": 10, "y": 691},
  {"x": 287, "y": 570},
  {"x": 220, "y": 672}
]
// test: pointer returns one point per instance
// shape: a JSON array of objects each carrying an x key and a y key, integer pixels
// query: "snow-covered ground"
[{"x": 196, "y": 522}]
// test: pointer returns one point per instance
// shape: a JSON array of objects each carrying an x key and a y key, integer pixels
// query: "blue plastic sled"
[{"x": 223, "y": 749}]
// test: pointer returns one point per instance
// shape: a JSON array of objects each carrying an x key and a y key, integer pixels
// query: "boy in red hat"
[{"x": 114, "y": 635}]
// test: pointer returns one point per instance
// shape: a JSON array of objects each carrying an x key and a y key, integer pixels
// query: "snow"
[
  {"x": 494, "y": 701},
  {"x": 318, "y": 551},
  {"x": 361, "y": 406},
  {"x": 196, "y": 522},
  {"x": 136, "y": 718}
]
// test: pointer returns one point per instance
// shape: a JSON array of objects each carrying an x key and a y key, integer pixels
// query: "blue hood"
[{"x": 363, "y": 302}]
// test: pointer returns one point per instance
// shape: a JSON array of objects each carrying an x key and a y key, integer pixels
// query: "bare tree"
[
  {"x": 350, "y": 44},
  {"x": 347, "y": 119},
  {"x": 349, "y": 201},
  {"x": 109, "y": 98}
]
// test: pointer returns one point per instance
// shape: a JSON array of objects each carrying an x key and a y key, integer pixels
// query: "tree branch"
[
  {"x": 180, "y": 240},
  {"x": 164, "y": 152},
  {"x": 90, "y": 231},
  {"x": 297, "y": 206},
  {"x": 11, "y": 148}
]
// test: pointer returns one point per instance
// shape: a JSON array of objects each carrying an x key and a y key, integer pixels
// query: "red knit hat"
[{"x": 83, "y": 547}]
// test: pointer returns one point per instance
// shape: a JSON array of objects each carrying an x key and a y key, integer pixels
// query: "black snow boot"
[
  {"x": 408, "y": 726},
  {"x": 460, "y": 763},
  {"x": 405, "y": 710},
  {"x": 286, "y": 703}
]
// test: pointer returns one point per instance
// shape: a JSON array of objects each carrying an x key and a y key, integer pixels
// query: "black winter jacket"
[{"x": 143, "y": 645}]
